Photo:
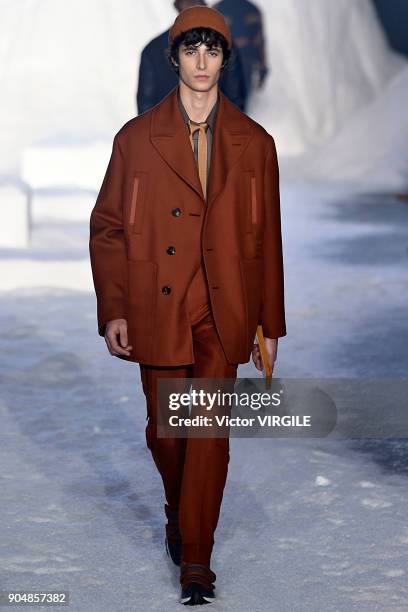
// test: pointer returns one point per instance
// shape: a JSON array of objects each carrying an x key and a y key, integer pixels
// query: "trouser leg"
[
  {"x": 206, "y": 460},
  {"x": 168, "y": 453}
]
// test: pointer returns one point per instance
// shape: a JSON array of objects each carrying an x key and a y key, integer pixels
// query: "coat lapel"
[
  {"x": 169, "y": 136},
  {"x": 232, "y": 134}
]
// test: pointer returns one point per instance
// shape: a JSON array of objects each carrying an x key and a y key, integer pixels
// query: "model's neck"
[{"x": 198, "y": 104}]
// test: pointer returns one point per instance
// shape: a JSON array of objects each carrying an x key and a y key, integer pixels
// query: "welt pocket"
[
  {"x": 136, "y": 209},
  {"x": 251, "y": 203}
]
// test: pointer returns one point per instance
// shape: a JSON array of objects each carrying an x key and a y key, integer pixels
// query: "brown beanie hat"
[{"x": 200, "y": 17}]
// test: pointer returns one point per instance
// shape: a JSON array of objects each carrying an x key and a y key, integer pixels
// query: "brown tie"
[{"x": 202, "y": 151}]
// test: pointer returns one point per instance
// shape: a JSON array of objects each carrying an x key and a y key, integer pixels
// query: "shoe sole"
[{"x": 195, "y": 600}]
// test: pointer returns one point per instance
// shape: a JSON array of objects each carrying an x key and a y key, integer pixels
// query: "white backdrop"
[
  {"x": 68, "y": 70},
  {"x": 327, "y": 60}
]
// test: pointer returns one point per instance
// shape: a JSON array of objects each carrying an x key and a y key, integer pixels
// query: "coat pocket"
[
  {"x": 251, "y": 204},
  {"x": 137, "y": 206}
]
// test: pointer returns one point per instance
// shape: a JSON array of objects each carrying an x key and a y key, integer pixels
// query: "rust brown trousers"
[{"x": 193, "y": 470}]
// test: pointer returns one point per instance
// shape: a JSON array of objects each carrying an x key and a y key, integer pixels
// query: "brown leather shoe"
[{"x": 173, "y": 536}]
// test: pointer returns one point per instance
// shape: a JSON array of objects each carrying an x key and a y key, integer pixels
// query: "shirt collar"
[{"x": 211, "y": 117}]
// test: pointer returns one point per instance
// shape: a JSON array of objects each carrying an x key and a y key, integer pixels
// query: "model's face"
[{"x": 199, "y": 66}]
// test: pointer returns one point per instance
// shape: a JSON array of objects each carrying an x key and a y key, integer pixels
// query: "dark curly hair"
[{"x": 211, "y": 38}]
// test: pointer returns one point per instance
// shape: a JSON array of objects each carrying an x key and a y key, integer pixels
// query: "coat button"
[
  {"x": 176, "y": 212},
  {"x": 166, "y": 290},
  {"x": 171, "y": 250}
]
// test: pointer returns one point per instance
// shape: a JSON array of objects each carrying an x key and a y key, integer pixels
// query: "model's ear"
[{"x": 176, "y": 67}]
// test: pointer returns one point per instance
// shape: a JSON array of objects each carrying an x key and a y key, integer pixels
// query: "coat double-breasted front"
[{"x": 151, "y": 226}]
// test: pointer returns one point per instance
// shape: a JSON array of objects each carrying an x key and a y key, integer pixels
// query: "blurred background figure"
[
  {"x": 245, "y": 21},
  {"x": 157, "y": 77},
  {"x": 394, "y": 18}
]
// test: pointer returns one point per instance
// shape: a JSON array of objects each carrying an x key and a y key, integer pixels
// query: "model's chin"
[{"x": 200, "y": 85}]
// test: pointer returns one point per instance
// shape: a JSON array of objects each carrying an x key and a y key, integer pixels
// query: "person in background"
[
  {"x": 245, "y": 22},
  {"x": 157, "y": 78}
]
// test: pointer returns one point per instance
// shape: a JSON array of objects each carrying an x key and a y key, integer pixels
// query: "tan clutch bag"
[{"x": 264, "y": 355}]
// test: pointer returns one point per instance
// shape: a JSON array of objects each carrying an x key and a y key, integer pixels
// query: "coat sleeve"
[
  {"x": 273, "y": 308},
  {"x": 107, "y": 243}
]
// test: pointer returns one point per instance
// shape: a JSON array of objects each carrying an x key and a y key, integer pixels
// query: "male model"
[{"x": 186, "y": 254}]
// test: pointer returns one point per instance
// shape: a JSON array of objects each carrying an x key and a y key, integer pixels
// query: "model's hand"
[
  {"x": 271, "y": 346},
  {"x": 115, "y": 328}
]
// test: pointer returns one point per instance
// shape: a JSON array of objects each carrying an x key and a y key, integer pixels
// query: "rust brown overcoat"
[{"x": 151, "y": 199}]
